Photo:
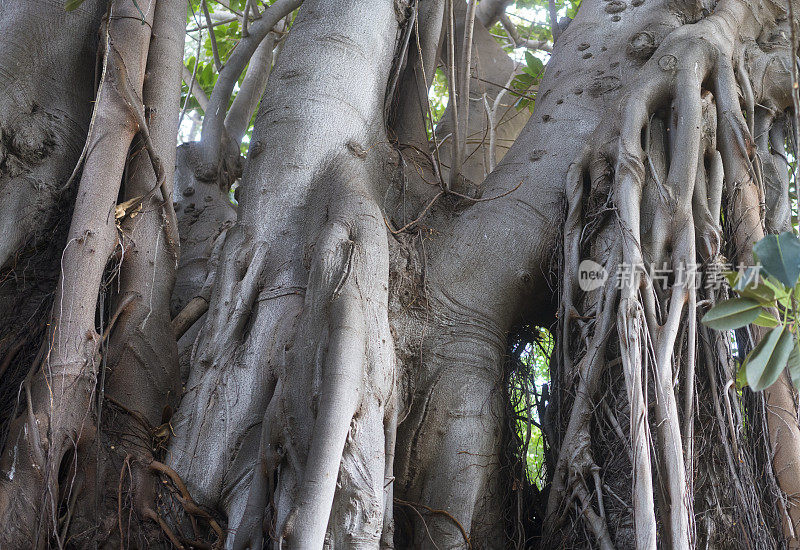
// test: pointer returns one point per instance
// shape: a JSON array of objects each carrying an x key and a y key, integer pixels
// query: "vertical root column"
[{"x": 65, "y": 382}]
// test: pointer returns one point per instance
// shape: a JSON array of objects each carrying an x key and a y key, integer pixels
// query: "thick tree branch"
[
  {"x": 245, "y": 19},
  {"x": 462, "y": 94},
  {"x": 252, "y": 88},
  {"x": 412, "y": 106},
  {"x": 214, "y": 47},
  {"x": 513, "y": 32},
  {"x": 452, "y": 90},
  {"x": 217, "y": 23},
  {"x": 194, "y": 88},
  {"x": 552, "y": 11},
  {"x": 490, "y": 11},
  {"x": 214, "y": 122}
]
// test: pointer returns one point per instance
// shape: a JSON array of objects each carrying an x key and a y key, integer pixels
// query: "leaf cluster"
[{"x": 766, "y": 297}]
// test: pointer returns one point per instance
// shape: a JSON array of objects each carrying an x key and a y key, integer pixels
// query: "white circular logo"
[{"x": 591, "y": 275}]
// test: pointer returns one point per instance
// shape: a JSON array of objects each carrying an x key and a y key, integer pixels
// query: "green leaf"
[
  {"x": 529, "y": 58},
  {"x": 782, "y": 294},
  {"x": 765, "y": 319},
  {"x": 766, "y": 362},
  {"x": 794, "y": 365},
  {"x": 70, "y": 5},
  {"x": 741, "y": 376},
  {"x": 535, "y": 66},
  {"x": 732, "y": 314},
  {"x": 747, "y": 277},
  {"x": 524, "y": 81},
  {"x": 780, "y": 256},
  {"x": 762, "y": 293}
]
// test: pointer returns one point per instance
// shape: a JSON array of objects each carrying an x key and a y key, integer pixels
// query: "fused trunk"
[{"x": 335, "y": 348}]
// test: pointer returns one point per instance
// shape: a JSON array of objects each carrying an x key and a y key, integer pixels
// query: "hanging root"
[
  {"x": 304, "y": 422},
  {"x": 575, "y": 463},
  {"x": 330, "y": 281},
  {"x": 183, "y": 496},
  {"x": 661, "y": 160},
  {"x": 315, "y": 462},
  {"x": 435, "y": 512}
]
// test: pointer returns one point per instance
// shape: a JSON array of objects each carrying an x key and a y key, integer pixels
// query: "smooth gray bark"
[
  {"x": 329, "y": 152},
  {"x": 346, "y": 387},
  {"x": 42, "y": 130}
]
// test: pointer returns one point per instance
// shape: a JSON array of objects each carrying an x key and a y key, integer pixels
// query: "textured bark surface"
[
  {"x": 51, "y": 458},
  {"x": 326, "y": 364},
  {"x": 318, "y": 304},
  {"x": 42, "y": 129},
  {"x": 662, "y": 178},
  {"x": 141, "y": 382}
]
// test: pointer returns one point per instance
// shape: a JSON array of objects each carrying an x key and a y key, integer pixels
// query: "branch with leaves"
[{"x": 767, "y": 297}]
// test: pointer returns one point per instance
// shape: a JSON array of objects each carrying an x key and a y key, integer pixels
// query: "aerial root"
[
  {"x": 150, "y": 514},
  {"x": 572, "y": 238},
  {"x": 710, "y": 137},
  {"x": 575, "y": 463},
  {"x": 182, "y": 495},
  {"x": 596, "y": 522},
  {"x": 231, "y": 304},
  {"x": 189, "y": 315},
  {"x": 631, "y": 327},
  {"x": 436, "y": 512},
  {"x": 249, "y": 531},
  {"x": 198, "y": 305},
  {"x": 125, "y": 464}
]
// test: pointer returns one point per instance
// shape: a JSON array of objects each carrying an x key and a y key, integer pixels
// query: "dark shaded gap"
[{"x": 528, "y": 455}]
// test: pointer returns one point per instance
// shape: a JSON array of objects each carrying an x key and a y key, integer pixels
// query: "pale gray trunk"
[
  {"x": 351, "y": 363},
  {"x": 42, "y": 129},
  {"x": 297, "y": 323}
]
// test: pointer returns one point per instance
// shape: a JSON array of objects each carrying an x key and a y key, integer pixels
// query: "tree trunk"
[
  {"x": 42, "y": 128},
  {"x": 335, "y": 349}
]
